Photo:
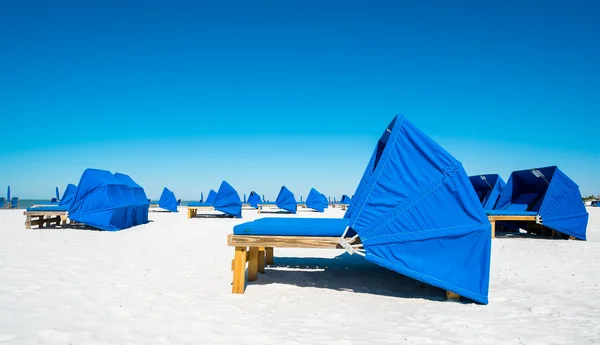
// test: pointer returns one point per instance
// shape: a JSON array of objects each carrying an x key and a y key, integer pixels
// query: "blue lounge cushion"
[
  {"x": 509, "y": 213},
  {"x": 321, "y": 227},
  {"x": 522, "y": 202},
  {"x": 56, "y": 208}
]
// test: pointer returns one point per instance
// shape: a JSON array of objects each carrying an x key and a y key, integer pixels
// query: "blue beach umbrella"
[
  {"x": 8, "y": 193},
  {"x": 57, "y": 194},
  {"x": 201, "y": 196},
  {"x": 244, "y": 197}
]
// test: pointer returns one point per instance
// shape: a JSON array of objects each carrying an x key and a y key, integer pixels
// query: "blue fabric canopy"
[
  {"x": 228, "y": 201},
  {"x": 68, "y": 196},
  {"x": 211, "y": 197},
  {"x": 551, "y": 194},
  {"x": 140, "y": 211},
  {"x": 285, "y": 200},
  {"x": 345, "y": 199},
  {"x": 102, "y": 201},
  {"x": 254, "y": 199},
  {"x": 415, "y": 213},
  {"x": 488, "y": 189},
  {"x": 314, "y": 200},
  {"x": 167, "y": 200},
  {"x": 325, "y": 201}
]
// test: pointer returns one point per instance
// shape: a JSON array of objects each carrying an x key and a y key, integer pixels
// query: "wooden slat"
[
  {"x": 493, "y": 223},
  {"x": 45, "y": 213},
  {"x": 239, "y": 270},
  {"x": 283, "y": 241},
  {"x": 452, "y": 296}
]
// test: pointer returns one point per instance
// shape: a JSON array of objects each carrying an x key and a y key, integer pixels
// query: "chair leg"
[
  {"x": 493, "y": 223},
  {"x": 253, "y": 264},
  {"x": 452, "y": 296},
  {"x": 269, "y": 253},
  {"x": 239, "y": 270},
  {"x": 261, "y": 260}
]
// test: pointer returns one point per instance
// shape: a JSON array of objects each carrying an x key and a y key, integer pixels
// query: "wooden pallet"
[
  {"x": 256, "y": 251},
  {"x": 43, "y": 219},
  {"x": 192, "y": 211},
  {"x": 260, "y": 206}
]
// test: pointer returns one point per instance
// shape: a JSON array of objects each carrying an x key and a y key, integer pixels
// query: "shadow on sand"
[{"x": 346, "y": 273}]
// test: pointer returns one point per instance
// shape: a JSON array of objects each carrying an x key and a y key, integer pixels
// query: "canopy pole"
[{"x": 348, "y": 246}]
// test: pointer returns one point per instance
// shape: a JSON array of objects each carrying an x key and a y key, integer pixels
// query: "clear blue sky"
[{"x": 184, "y": 95}]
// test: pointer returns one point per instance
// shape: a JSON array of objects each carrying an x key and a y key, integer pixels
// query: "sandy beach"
[{"x": 168, "y": 282}]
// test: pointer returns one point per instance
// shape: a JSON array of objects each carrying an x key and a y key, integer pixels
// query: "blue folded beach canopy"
[
  {"x": 210, "y": 199},
  {"x": 325, "y": 201},
  {"x": 254, "y": 199},
  {"x": 140, "y": 211},
  {"x": 286, "y": 200},
  {"x": 488, "y": 189},
  {"x": 167, "y": 200},
  {"x": 551, "y": 194},
  {"x": 68, "y": 196},
  {"x": 102, "y": 201},
  {"x": 345, "y": 199},
  {"x": 228, "y": 200},
  {"x": 415, "y": 213},
  {"x": 314, "y": 200}
]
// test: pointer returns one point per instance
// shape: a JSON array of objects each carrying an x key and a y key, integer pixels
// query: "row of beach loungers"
[{"x": 415, "y": 211}]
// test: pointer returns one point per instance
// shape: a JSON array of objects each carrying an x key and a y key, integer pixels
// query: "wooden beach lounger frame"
[
  {"x": 257, "y": 251},
  {"x": 192, "y": 211},
  {"x": 260, "y": 206},
  {"x": 534, "y": 224},
  {"x": 42, "y": 219}
]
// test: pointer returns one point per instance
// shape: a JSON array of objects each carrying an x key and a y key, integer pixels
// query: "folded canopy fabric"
[
  {"x": 345, "y": 199},
  {"x": 254, "y": 199},
  {"x": 488, "y": 189},
  {"x": 167, "y": 200},
  {"x": 210, "y": 199},
  {"x": 102, "y": 201},
  {"x": 64, "y": 204},
  {"x": 551, "y": 194},
  {"x": 286, "y": 200},
  {"x": 315, "y": 200},
  {"x": 415, "y": 213},
  {"x": 136, "y": 192},
  {"x": 228, "y": 200}
]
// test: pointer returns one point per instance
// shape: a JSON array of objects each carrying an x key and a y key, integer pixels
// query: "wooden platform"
[
  {"x": 42, "y": 219},
  {"x": 534, "y": 224},
  {"x": 257, "y": 251}
]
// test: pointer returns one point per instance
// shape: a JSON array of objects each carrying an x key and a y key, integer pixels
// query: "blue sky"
[{"x": 186, "y": 94}]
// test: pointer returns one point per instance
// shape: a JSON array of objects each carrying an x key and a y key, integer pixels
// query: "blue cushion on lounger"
[
  {"x": 56, "y": 208},
  {"x": 509, "y": 213},
  {"x": 324, "y": 227},
  {"x": 522, "y": 202}
]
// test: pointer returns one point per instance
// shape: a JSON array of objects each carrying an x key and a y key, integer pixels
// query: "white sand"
[{"x": 168, "y": 282}]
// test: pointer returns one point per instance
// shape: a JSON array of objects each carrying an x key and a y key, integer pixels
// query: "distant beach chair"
[
  {"x": 46, "y": 215},
  {"x": 542, "y": 201},
  {"x": 285, "y": 202},
  {"x": 14, "y": 202},
  {"x": 345, "y": 201},
  {"x": 167, "y": 202},
  {"x": 226, "y": 201},
  {"x": 253, "y": 200},
  {"x": 414, "y": 212},
  {"x": 315, "y": 201},
  {"x": 3, "y": 202},
  {"x": 101, "y": 201}
]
